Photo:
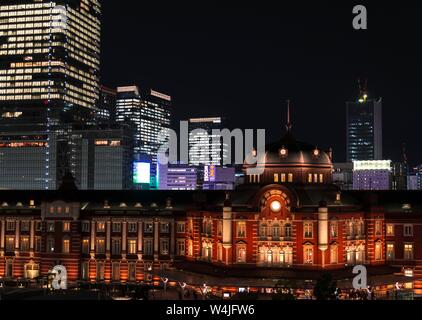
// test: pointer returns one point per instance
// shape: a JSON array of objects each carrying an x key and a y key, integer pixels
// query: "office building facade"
[
  {"x": 50, "y": 61},
  {"x": 150, "y": 114},
  {"x": 364, "y": 129}
]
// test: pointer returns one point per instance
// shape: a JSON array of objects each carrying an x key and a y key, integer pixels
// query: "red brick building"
[{"x": 288, "y": 218}]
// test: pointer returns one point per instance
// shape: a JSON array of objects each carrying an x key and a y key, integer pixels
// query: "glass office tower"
[
  {"x": 49, "y": 61},
  {"x": 149, "y": 112},
  {"x": 364, "y": 129}
]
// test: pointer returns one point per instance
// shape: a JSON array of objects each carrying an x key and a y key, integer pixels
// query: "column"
[
  {"x": 124, "y": 237},
  {"x": 140, "y": 240},
  {"x": 108, "y": 237},
  {"x": 17, "y": 235},
  {"x": 3, "y": 228},
  {"x": 92, "y": 239},
  {"x": 156, "y": 239},
  {"x": 32, "y": 238},
  {"x": 172, "y": 240}
]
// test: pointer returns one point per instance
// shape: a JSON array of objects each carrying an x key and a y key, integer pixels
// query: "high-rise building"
[
  {"x": 364, "y": 128},
  {"x": 206, "y": 148},
  {"x": 25, "y": 160},
  {"x": 50, "y": 61},
  {"x": 99, "y": 158},
  {"x": 106, "y": 112},
  {"x": 372, "y": 175},
  {"x": 150, "y": 114}
]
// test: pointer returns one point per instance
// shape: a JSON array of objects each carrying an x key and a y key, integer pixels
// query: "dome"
[{"x": 289, "y": 151}]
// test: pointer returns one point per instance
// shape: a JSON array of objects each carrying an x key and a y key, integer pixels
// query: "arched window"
[
  {"x": 308, "y": 254},
  {"x": 334, "y": 254},
  {"x": 288, "y": 256},
  {"x": 241, "y": 254}
]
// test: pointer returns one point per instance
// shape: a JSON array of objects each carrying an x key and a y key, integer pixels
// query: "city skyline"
[{"x": 234, "y": 60}]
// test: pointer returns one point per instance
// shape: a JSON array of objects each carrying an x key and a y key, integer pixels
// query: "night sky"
[{"x": 245, "y": 60}]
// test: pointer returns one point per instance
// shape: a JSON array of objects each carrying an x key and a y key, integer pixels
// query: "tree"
[{"x": 325, "y": 288}]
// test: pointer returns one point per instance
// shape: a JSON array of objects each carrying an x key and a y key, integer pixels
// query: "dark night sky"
[{"x": 244, "y": 60}]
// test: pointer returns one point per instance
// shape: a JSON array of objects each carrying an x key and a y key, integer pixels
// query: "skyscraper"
[
  {"x": 204, "y": 148},
  {"x": 50, "y": 61},
  {"x": 149, "y": 112},
  {"x": 364, "y": 128},
  {"x": 106, "y": 112}
]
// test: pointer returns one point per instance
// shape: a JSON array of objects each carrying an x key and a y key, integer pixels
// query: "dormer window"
[{"x": 283, "y": 152}]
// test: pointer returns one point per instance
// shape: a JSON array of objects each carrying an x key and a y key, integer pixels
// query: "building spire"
[{"x": 289, "y": 124}]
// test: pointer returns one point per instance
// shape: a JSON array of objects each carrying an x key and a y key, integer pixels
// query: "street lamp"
[
  {"x": 165, "y": 281},
  {"x": 205, "y": 290},
  {"x": 183, "y": 286}
]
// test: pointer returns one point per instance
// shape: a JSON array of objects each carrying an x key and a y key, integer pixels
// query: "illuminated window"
[
  {"x": 85, "y": 246},
  {"x": 276, "y": 231},
  {"x": 321, "y": 178},
  {"x": 66, "y": 226},
  {"x": 132, "y": 246},
  {"x": 276, "y": 180},
  {"x": 101, "y": 226},
  {"x": 378, "y": 251},
  {"x": 390, "y": 251},
  {"x": 241, "y": 254},
  {"x": 100, "y": 246},
  {"x": 290, "y": 177},
  {"x": 66, "y": 246},
  {"x": 334, "y": 254},
  {"x": 308, "y": 254},
  {"x": 24, "y": 244},
  {"x": 390, "y": 230},
  {"x": 283, "y": 178},
  {"x": 310, "y": 180},
  {"x": 408, "y": 251},
  {"x": 308, "y": 230}
]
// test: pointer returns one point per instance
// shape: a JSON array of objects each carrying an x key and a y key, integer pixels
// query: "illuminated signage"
[
  {"x": 209, "y": 173},
  {"x": 372, "y": 165},
  {"x": 141, "y": 172}
]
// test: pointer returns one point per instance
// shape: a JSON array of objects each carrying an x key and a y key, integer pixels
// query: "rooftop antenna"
[{"x": 289, "y": 124}]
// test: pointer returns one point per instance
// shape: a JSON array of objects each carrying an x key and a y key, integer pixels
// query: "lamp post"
[
  {"x": 183, "y": 286},
  {"x": 165, "y": 281}
]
